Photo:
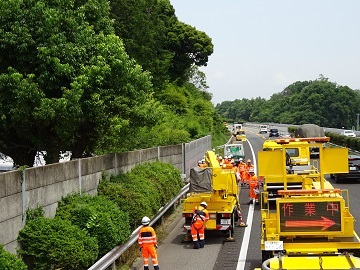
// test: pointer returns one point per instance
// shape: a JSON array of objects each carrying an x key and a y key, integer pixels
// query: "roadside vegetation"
[
  {"x": 119, "y": 77},
  {"x": 86, "y": 227}
]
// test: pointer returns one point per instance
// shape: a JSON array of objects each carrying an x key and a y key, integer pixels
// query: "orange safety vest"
[
  {"x": 253, "y": 183},
  {"x": 147, "y": 237},
  {"x": 200, "y": 216},
  {"x": 247, "y": 167}
]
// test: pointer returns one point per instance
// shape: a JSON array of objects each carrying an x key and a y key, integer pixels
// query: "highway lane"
[{"x": 245, "y": 252}]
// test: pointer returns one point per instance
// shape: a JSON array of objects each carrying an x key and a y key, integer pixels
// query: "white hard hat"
[
  {"x": 145, "y": 221},
  {"x": 249, "y": 160},
  {"x": 240, "y": 159},
  {"x": 204, "y": 204},
  {"x": 251, "y": 170},
  {"x": 220, "y": 157}
]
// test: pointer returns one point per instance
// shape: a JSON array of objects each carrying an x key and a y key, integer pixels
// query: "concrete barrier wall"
[{"x": 44, "y": 186}]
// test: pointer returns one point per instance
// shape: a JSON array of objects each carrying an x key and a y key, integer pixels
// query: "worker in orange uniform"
[
  {"x": 148, "y": 244},
  {"x": 220, "y": 159},
  {"x": 200, "y": 216},
  {"x": 248, "y": 166},
  {"x": 253, "y": 187},
  {"x": 241, "y": 171}
]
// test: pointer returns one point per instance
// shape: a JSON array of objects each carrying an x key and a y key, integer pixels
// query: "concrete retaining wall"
[{"x": 45, "y": 186}]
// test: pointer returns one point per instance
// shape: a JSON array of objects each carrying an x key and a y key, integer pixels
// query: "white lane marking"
[{"x": 246, "y": 239}]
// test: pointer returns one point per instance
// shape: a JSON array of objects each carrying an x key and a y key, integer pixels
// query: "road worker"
[
  {"x": 202, "y": 163},
  {"x": 248, "y": 166},
  {"x": 241, "y": 171},
  {"x": 227, "y": 163},
  {"x": 220, "y": 159},
  {"x": 200, "y": 216},
  {"x": 148, "y": 243},
  {"x": 227, "y": 160},
  {"x": 253, "y": 187}
]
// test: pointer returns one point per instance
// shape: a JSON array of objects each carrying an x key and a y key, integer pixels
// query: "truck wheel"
[
  {"x": 236, "y": 214},
  {"x": 337, "y": 179}
]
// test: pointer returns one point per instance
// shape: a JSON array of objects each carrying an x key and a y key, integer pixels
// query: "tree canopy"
[{"x": 93, "y": 76}]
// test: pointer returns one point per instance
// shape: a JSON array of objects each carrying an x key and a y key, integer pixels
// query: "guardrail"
[{"x": 110, "y": 258}]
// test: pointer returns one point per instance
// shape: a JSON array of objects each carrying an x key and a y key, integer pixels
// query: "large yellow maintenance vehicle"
[
  {"x": 219, "y": 189},
  {"x": 308, "y": 225}
]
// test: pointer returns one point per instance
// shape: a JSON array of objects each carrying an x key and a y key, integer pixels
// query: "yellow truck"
[
  {"x": 299, "y": 154},
  {"x": 240, "y": 135},
  {"x": 219, "y": 189},
  {"x": 309, "y": 224}
]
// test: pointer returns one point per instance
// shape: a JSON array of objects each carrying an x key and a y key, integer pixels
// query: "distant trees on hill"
[{"x": 318, "y": 102}]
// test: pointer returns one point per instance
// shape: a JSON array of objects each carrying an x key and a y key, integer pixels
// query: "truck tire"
[{"x": 337, "y": 179}]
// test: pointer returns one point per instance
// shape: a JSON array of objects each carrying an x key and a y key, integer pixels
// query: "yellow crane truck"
[
  {"x": 219, "y": 189},
  {"x": 309, "y": 224}
]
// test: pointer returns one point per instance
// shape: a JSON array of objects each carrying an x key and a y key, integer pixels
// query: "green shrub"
[
  {"x": 163, "y": 175},
  {"x": 9, "y": 261},
  {"x": 130, "y": 201},
  {"x": 144, "y": 190},
  {"x": 48, "y": 244},
  {"x": 352, "y": 143},
  {"x": 99, "y": 216}
]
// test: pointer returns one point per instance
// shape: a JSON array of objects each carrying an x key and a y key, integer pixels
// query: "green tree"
[
  {"x": 65, "y": 82},
  {"x": 159, "y": 42},
  {"x": 143, "y": 26}
]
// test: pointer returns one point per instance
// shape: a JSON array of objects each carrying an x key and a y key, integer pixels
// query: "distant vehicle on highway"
[
  {"x": 274, "y": 132},
  {"x": 354, "y": 170},
  {"x": 348, "y": 133},
  {"x": 263, "y": 129},
  {"x": 285, "y": 135}
]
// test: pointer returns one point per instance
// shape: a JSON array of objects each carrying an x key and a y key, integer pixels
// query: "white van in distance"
[{"x": 263, "y": 129}]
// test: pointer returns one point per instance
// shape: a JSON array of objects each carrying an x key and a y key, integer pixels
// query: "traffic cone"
[{"x": 241, "y": 222}]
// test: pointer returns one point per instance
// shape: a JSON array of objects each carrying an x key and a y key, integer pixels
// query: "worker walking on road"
[
  {"x": 200, "y": 216},
  {"x": 241, "y": 172},
  {"x": 148, "y": 244},
  {"x": 248, "y": 166},
  {"x": 253, "y": 187}
]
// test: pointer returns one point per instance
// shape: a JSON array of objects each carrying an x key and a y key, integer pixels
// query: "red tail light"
[
  {"x": 226, "y": 215},
  {"x": 187, "y": 215}
]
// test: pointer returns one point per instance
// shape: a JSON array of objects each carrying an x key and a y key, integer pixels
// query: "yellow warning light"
[
  {"x": 311, "y": 139},
  {"x": 298, "y": 192}
]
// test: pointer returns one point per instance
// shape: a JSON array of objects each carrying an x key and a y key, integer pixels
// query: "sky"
[{"x": 262, "y": 46}]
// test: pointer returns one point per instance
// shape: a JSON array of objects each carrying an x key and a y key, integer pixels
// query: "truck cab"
[{"x": 299, "y": 154}]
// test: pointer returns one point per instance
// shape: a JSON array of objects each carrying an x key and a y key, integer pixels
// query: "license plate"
[
  {"x": 225, "y": 221},
  {"x": 274, "y": 245},
  {"x": 352, "y": 168}
]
